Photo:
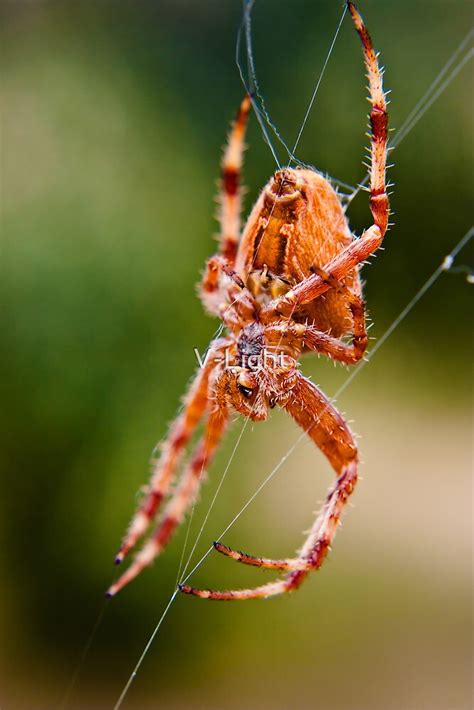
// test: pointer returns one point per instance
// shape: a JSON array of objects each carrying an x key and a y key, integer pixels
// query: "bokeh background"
[{"x": 114, "y": 115}]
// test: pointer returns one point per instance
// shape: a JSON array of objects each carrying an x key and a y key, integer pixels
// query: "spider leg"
[
  {"x": 223, "y": 293},
  {"x": 348, "y": 353},
  {"x": 266, "y": 590},
  {"x": 265, "y": 562},
  {"x": 360, "y": 249},
  {"x": 230, "y": 190},
  {"x": 181, "y": 430},
  {"x": 378, "y": 122},
  {"x": 181, "y": 500},
  {"x": 290, "y": 334},
  {"x": 315, "y": 285},
  {"x": 326, "y": 427},
  {"x": 212, "y": 295}
]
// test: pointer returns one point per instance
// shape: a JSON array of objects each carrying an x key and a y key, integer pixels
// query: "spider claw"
[
  {"x": 186, "y": 589},
  {"x": 220, "y": 547}
]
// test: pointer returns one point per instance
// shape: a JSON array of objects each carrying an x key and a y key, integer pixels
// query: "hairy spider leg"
[
  {"x": 172, "y": 449},
  {"x": 322, "y": 422},
  {"x": 223, "y": 294},
  {"x": 360, "y": 249},
  {"x": 290, "y": 334},
  {"x": 230, "y": 196},
  {"x": 182, "y": 498}
]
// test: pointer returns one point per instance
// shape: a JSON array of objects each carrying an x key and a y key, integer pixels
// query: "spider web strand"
[
  {"x": 214, "y": 498},
  {"x": 252, "y": 88},
  {"x": 434, "y": 84},
  {"x": 403, "y": 133},
  {"x": 134, "y": 673},
  {"x": 85, "y": 651},
  {"x": 318, "y": 84},
  {"x": 425, "y": 102}
]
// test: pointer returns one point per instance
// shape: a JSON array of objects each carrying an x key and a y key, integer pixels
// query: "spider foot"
[
  {"x": 137, "y": 528},
  {"x": 144, "y": 558}
]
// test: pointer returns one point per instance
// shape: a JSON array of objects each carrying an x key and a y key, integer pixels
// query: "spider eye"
[{"x": 246, "y": 391}]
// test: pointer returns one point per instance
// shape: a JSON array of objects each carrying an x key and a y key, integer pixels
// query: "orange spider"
[{"x": 289, "y": 284}]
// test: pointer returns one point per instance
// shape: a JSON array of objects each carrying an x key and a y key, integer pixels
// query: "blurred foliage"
[{"x": 113, "y": 119}]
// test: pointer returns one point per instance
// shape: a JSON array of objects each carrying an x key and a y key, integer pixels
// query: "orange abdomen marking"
[{"x": 298, "y": 223}]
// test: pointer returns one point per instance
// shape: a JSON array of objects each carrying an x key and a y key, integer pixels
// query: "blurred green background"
[{"x": 114, "y": 115}]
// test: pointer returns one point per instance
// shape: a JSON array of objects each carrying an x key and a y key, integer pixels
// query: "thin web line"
[
  {"x": 193, "y": 508},
  {"x": 216, "y": 493},
  {"x": 318, "y": 84},
  {"x": 251, "y": 85},
  {"x": 435, "y": 82},
  {"x": 401, "y": 135},
  {"x": 133, "y": 675},
  {"x": 443, "y": 267},
  {"x": 77, "y": 671},
  {"x": 424, "y": 104},
  {"x": 253, "y": 89}
]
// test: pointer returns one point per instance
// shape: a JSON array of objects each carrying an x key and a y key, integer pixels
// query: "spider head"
[{"x": 256, "y": 378}]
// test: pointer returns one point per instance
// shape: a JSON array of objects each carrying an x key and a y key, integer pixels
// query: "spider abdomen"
[{"x": 296, "y": 226}]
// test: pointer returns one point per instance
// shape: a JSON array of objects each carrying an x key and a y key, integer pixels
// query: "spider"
[{"x": 289, "y": 284}]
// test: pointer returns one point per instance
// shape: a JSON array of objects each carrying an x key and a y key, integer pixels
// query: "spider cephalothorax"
[
  {"x": 257, "y": 373},
  {"x": 288, "y": 284}
]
